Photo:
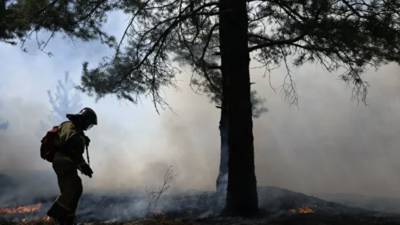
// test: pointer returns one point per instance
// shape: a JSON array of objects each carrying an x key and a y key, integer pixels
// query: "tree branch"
[
  {"x": 98, "y": 4},
  {"x": 352, "y": 8},
  {"x": 126, "y": 30},
  {"x": 266, "y": 42},
  {"x": 167, "y": 31},
  {"x": 203, "y": 62}
]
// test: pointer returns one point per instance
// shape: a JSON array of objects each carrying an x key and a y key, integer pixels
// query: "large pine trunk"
[
  {"x": 241, "y": 199},
  {"x": 222, "y": 180}
]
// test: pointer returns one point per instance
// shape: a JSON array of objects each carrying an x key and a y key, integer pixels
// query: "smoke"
[
  {"x": 125, "y": 154},
  {"x": 21, "y": 141},
  {"x": 137, "y": 155},
  {"x": 3, "y": 124},
  {"x": 328, "y": 143},
  {"x": 23, "y": 175}
]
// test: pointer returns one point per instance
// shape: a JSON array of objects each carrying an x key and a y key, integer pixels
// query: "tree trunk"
[
  {"x": 222, "y": 180},
  {"x": 242, "y": 185}
]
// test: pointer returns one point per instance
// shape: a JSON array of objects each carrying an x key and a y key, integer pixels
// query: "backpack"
[{"x": 48, "y": 147}]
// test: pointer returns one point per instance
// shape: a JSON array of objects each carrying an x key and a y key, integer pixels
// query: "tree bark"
[
  {"x": 222, "y": 180},
  {"x": 242, "y": 185}
]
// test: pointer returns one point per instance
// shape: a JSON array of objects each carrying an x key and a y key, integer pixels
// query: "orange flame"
[
  {"x": 38, "y": 221},
  {"x": 21, "y": 209},
  {"x": 303, "y": 210}
]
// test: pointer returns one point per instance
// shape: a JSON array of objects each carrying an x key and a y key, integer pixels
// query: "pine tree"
[{"x": 65, "y": 100}]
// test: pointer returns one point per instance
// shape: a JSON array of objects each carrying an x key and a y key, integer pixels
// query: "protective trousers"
[{"x": 70, "y": 186}]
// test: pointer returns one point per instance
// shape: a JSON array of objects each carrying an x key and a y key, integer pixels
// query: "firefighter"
[{"x": 67, "y": 161}]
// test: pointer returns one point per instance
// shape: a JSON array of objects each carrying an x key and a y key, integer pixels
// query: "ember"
[
  {"x": 304, "y": 210},
  {"x": 21, "y": 209}
]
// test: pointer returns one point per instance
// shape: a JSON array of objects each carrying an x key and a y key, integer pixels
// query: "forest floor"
[
  {"x": 277, "y": 207},
  {"x": 308, "y": 219}
]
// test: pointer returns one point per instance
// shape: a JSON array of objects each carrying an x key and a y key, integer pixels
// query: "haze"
[{"x": 329, "y": 143}]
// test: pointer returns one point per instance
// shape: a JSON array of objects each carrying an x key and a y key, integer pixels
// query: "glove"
[{"x": 86, "y": 170}]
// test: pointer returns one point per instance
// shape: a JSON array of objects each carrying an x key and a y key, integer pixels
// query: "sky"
[{"x": 328, "y": 143}]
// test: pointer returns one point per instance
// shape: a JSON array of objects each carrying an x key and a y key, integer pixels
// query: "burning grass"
[
  {"x": 39, "y": 221},
  {"x": 278, "y": 207},
  {"x": 23, "y": 209},
  {"x": 289, "y": 219},
  {"x": 302, "y": 210}
]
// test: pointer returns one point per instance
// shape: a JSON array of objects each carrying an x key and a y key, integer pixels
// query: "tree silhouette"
[
  {"x": 65, "y": 99},
  {"x": 258, "y": 108},
  {"x": 218, "y": 38}
]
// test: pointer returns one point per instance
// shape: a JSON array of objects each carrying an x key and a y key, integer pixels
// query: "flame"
[
  {"x": 38, "y": 221},
  {"x": 303, "y": 210},
  {"x": 25, "y": 209}
]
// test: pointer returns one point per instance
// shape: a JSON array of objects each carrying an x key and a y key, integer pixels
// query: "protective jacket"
[{"x": 72, "y": 142}]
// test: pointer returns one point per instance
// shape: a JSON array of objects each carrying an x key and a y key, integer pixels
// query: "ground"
[
  {"x": 307, "y": 219},
  {"x": 277, "y": 207}
]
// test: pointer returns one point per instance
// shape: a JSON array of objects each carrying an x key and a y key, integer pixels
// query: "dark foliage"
[
  {"x": 21, "y": 20},
  {"x": 342, "y": 34}
]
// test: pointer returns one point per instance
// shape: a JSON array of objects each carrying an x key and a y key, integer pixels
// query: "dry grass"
[{"x": 299, "y": 219}]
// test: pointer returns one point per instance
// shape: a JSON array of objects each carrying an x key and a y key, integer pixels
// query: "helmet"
[{"x": 88, "y": 116}]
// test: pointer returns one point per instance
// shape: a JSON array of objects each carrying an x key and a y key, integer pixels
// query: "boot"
[
  {"x": 56, "y": 213},
  {"x": 69, "y": 220},
  {"x": 60, "y": 215}
]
